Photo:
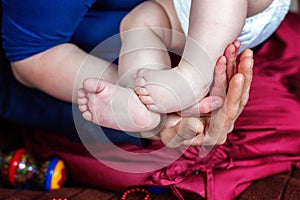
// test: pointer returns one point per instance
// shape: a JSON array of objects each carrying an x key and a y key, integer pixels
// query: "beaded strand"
[{"x": 132, "y": 190}]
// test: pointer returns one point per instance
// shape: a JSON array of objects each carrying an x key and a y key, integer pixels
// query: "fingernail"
[{"x": 216, "y": 104}]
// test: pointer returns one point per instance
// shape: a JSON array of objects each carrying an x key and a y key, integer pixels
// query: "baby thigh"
[
  {"x": 255, "y": 7},
  {"x": 159, "y": 16},
  {"x": 147, "y": 33}
]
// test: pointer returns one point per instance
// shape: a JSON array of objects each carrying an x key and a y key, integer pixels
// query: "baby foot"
[
  {"x": 114, "y": 107},
  {"x": 166, "y": 91}
]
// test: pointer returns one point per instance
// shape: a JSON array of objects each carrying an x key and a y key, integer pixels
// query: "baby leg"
[
  {"x": 213, "y": 25},
  {"x": 117, "y": 106},
  {"x": 182, "y": 86},
  {"x": 146, "y": 37}
]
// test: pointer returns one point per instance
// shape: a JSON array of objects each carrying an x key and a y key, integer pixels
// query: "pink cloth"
[{"x": 265, "y": 140}]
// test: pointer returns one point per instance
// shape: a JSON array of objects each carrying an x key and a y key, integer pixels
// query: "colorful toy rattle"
[{"x": 19, "y": 168}]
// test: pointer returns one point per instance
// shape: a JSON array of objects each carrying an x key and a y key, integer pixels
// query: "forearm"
[{"x": 61, "y": 70}]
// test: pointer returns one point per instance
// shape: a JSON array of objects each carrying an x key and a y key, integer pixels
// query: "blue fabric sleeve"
[
  {"x": 30, "y": 26},
  {"x": 96, "y": 27}
]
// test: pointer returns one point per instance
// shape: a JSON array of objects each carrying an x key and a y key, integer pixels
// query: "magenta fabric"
[{"x": 265, "y": 140}]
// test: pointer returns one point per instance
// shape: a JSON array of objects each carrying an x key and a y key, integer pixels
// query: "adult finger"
[
  {"x": 187, "y": 130},
  {"x": 247, "y": 70},
  {"x": 196, "y": 141},
  {"x": 203, "y": 108},
  {"x": 231, "y": 53},
  {"x": 220, "y": 80},
  {"x": 222, "y": 120}
]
